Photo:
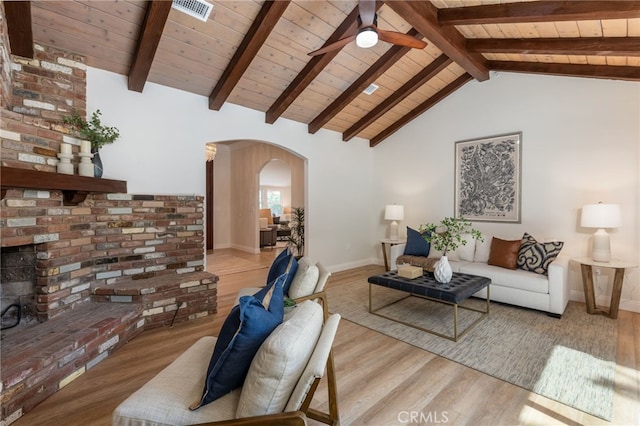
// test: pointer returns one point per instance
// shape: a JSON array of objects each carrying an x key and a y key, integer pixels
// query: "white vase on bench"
[{"x": 442, "y": 270}]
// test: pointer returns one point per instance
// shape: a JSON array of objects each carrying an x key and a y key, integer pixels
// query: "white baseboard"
[
  {"x": 245, "y": 248},
  {"x": 630, "y": 305},
  {"x": 350, "y": 265},
  {"x": 625, "y": 305}
]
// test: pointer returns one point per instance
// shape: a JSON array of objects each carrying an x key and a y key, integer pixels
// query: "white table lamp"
[
  {"x": 394, "y": 212},
  {"x": 601, "y": 216}
]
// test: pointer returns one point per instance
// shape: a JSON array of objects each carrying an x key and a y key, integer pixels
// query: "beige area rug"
[
  {"x": 225, "y": 264},
  {"x": 570, "y": 360}
]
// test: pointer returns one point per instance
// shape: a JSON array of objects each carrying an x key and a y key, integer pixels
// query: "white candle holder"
[
  {"x": 85, "y": 146},
  {"x": 85, "y": 167},
  {"x": 65, "y": 166},
  {"x": 65, "y": 148}
]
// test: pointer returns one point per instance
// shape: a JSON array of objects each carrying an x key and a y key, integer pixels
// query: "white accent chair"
[{"x": 278, "y": 389}]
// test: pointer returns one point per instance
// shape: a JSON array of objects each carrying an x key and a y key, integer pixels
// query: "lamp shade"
[
  {"x": 394, "y": 212},
  {"x": 601, "y": 216}
]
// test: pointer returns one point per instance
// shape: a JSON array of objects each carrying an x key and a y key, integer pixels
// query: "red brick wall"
[
  {"x": 42, "y": 91},
  {"x": 107, "y": 239},
  {"x": 50, "y": 85}
]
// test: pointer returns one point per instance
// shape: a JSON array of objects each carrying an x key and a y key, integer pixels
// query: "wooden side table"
[
  {"x": 586, "y": 265},
  {"x": 390, "y": 243}
]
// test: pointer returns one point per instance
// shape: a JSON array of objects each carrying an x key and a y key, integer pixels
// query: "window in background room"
[{"x": 274, "y": 202}]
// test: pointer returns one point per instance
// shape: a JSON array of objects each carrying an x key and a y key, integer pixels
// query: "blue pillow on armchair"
[
  {"x": 284, "y": 263},
  {"x": 416, "y": 244},
  {"x": 243, "y": 332}
]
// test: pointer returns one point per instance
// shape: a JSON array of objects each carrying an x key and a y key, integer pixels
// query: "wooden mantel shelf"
[{"x": 74, "y": 188}]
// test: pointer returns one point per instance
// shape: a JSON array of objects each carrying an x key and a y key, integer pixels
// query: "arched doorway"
[{"x": 236, "y": 181}]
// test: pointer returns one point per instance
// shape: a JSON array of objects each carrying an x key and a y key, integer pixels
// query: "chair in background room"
[{"x": 266, "y": 214}]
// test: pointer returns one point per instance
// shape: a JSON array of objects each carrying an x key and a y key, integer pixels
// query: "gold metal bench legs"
[{"x": 455, "y": 335}]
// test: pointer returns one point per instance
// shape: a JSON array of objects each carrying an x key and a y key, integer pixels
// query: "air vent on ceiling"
[
  {"x": 372, "y": 88},
  {"x": 197, "y": 8}
]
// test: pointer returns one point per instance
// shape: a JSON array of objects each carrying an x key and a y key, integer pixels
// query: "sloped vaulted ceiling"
[{"x": 255, "y": 53}]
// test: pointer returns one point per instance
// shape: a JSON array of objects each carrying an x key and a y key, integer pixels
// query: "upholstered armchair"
[
  {"x": 266, "y": 214},
  {"x": 278, "y": 389}
]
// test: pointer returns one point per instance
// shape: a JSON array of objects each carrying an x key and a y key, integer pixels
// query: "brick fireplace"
[
  {"x": 105, "y": 270},
  {"x": 104, "y": 267}
]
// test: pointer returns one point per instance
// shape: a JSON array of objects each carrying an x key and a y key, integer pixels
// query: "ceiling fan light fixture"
[{"x": 367, "y": 37}]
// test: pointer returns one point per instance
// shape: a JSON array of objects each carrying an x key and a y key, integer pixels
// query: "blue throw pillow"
[
  {"x": 241, "y": 335},
  {"x": 285, "y": 263},
  {"x": 416, "y": 244},
  {"x": 279, "y": 265}
]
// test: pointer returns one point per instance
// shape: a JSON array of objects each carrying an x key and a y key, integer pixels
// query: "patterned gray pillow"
[{"x": 536, "y": 257}]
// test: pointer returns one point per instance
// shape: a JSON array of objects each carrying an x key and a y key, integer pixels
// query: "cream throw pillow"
[
  {"x": 305, "y": 280},
  {"x": 483, "y": 249},
  {"x": 280, "y": 361},
  {"x": 465, "y": 252}
]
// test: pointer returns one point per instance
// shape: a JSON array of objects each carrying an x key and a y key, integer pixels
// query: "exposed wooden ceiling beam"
[
  {"x": 18, "y": 15},
  {"x": 593, "y": 46},
  {"x": 313, "y": 67},
  {"x": 572, "y": 70},
  {"x": 152, "y": 27},
  {"x": 542, "y": 11},
  {"x": 385, "y": 62},
  {"x": 446, "y": 91},
  {"x": 430, "y": 71},
  {"x": 423, "y": 16},
  {"x": 254, "y": 38}
]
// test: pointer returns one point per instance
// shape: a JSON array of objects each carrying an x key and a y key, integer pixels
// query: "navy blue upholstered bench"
[{"x": 459, "y": 289}]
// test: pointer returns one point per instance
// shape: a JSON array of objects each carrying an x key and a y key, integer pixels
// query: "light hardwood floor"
[{"x": 381, "y": 381}]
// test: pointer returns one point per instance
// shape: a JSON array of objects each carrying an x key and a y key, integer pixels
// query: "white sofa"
[{"x": 548, "y": 293}]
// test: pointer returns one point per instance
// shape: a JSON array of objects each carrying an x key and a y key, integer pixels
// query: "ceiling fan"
[{"x": 368, "y": 32}]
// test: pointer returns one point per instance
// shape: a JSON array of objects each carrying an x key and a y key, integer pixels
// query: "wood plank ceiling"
[{"x": 255, "y": 53}]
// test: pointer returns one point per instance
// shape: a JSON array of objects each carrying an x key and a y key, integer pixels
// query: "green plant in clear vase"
[{"x": 447, "y": 235}]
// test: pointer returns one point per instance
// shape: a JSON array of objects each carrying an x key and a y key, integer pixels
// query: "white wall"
[
  {"x": 162, "y": 148},
  {"x": 580, "y": 145}
]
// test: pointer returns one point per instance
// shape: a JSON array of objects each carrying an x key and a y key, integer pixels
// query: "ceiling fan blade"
[
  {"x": 367, "y": 10},
  {"x": 401, "y": 39},
  {"x": 333, "y": 46}
]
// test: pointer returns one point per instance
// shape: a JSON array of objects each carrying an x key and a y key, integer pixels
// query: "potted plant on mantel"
[
  {"x": 296, "y": 239},
  {"x": 447, "y": 236},
  {"x": 95, "y": 132}
]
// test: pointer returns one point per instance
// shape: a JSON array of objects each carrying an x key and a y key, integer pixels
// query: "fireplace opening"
[{"x": 17, "y": 286}]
